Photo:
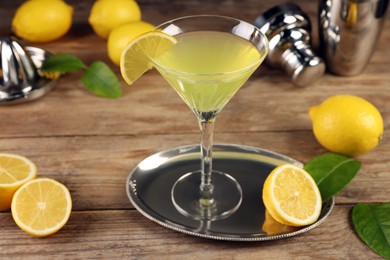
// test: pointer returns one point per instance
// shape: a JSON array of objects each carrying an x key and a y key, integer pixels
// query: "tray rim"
[{"x": 327, "y": 205}]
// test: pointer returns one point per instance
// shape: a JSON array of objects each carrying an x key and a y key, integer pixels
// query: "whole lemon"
[
  {"x": 347, "y": 124},
  {"x": 122, "y": 35},
  {"x": 107, "y": 14},
  {"x": 42, "y": 20}
]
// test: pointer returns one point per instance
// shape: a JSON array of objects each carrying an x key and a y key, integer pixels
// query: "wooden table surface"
[{"x": 91, "y": 144}]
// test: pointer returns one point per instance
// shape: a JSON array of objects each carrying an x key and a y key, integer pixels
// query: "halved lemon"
[
  {"x": 41, "y": 207},
  {"x": 15, "y": 170},
  {"x": 136, "y": 57},
  {"x": 291, "y": 196}
]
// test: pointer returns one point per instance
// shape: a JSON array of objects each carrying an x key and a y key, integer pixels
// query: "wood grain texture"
[
  {"x": 91, "y": 144},
  {"x": 89, "y": 165},
  {"x": 126, "y": 233},
  {"x": 265, "y": 103}
]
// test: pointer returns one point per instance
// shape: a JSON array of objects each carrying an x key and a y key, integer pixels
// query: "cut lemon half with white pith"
[
  {"x": 15, "y": 170},
  {"x": 41, "y": 207},
  {"x": 291, "y": 196},
  {"x": 136, "y": 57}
]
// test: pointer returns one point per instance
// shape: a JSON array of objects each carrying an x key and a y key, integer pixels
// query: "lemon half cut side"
[
  {"x": 15, "y": 170},
  {"x": 291, "y": 196},
  {"x": 41, "y": 207}
]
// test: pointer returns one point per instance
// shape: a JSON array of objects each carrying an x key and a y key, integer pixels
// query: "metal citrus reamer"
[{"x": 20, "y": 78}]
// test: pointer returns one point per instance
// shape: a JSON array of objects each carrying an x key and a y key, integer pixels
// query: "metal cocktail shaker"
[
  {"x": 288, "y": 30},
  {"x": 348, "y": 31}
]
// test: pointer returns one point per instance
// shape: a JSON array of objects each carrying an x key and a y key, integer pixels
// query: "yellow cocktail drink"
[{"x": 207, "y": 68}]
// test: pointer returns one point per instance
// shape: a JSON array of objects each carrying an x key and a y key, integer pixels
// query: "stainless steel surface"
[
  {"x": 150, "y": 183},
  {"x": 288, "y": 30},
  {"x": 20, "y": 80},
  {"x": 349, "y": 30}
]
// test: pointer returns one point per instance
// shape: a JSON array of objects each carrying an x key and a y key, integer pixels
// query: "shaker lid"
[
  {"x": 288, "y": 28},
  {"x": 276, "y": 11},
  {"x": 302, "y": 65},
  {"x": 309, "y": 73}
]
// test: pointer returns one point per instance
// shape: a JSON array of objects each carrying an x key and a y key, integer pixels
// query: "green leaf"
[
  {"x": 332, "y": 172},
  {"x": 101, "y": 80},
  {"x": 372, "y": 223},
  {"x": 62, "y": 63}
]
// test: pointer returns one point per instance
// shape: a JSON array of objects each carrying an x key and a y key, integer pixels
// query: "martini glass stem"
[{"x": 206, "y": 185}]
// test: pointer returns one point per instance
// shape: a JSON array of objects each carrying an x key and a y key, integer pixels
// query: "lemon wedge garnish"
[{"x": 136, "y": 57}]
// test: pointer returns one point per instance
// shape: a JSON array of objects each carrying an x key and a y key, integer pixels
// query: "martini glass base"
[{"x": 186, "y": 196}]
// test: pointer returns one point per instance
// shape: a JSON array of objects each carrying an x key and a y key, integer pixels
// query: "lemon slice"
[
  {"x": 15, "y": 170},
  {"x": 291, "y": 196},
  {"x": 41, "y": 207},
  {"x": 136, "y": 57}
]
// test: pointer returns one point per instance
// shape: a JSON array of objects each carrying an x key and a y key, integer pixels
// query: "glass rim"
[{"x": 180, "y": 72}]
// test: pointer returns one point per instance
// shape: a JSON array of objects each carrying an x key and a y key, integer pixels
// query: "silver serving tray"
[{"x": 149, "y": 187}]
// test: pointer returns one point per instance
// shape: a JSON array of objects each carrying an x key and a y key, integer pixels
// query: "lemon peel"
[
  {"x": 347, "y": 124},
  {"x": 106, "y": 15},
  {"x": 42, "y": 20}
]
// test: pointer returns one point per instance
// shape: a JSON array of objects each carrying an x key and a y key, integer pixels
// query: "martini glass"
[{"x": 213, "y": 57}]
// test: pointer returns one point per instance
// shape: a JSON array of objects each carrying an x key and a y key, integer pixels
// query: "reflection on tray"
[{"x": 272, "y": 227}]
